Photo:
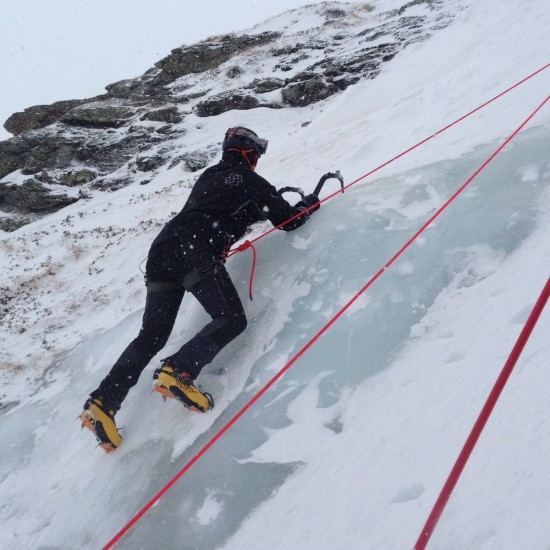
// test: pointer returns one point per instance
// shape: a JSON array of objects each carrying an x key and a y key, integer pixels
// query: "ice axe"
[
  {"x": 318, "y": 187},
  {"x": 327, "y": 176}
]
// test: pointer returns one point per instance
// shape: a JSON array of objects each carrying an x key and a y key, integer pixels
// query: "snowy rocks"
[
  {"x": 40, "y": 116},
  {"x": 133, "y": 88},
  {"x": 206, "y": 55},
  {"x": 9, "y": 224},
  {"x": 99, "y": 114},
  {"x": 265, "y": 85},
  {"x": 77, "y": 177},
  {"x": 227, "y": 101},
  {"x": 139, "y": 125},
  {"x": 66, "y": 157},
  {"x": 403, "y": 8},
  {"x": 307, "y": 92},
  {"x": 193, "y": 161},
  {"x": 34, "y": 196},
  {"x": 34, "y": 152},
  {"x": 11, "y": 153},
  {"x": 149, "y": 163},
  {"x": 165, "y": 114}
]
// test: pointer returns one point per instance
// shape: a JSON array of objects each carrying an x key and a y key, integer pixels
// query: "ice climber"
[{"x": 188, "y": 255}]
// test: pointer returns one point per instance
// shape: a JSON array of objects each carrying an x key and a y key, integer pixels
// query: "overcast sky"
[{"x": 67, "y": 49}]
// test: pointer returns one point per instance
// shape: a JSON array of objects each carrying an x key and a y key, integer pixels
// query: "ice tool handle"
[
  {"x": 319, "y": 186},
  {"x": 289, "y": 189},
  {"x": 327, "y": 176}
]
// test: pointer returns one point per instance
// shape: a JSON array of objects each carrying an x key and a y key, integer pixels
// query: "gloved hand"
[{"x": 310, "y": 201}]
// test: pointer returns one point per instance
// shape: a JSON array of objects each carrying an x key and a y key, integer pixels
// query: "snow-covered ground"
[{"x": 352, "y": 446}]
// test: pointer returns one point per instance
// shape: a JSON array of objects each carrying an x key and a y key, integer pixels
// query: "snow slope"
[{"x": 352, "y": 446}]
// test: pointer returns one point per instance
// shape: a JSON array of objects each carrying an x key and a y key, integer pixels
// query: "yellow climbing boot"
[
  {"x": 101, "y": 422},
  {"x": 180, "y": 386}
]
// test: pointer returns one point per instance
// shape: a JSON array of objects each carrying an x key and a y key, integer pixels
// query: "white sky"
[{"x": 67, "y": 49}]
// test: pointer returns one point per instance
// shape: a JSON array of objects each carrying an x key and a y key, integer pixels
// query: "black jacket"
[{"x": 226, "y": 199}]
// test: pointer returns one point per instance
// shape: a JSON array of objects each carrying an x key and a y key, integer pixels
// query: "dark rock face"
[
  {"x": 11, "y": 224},
  {"x": 265, "y": 85},
  {"x": 127, "y": 89},
  {"x": 77, "y": 178},
  {"x": 136, "y": 127},
  {"x": 215, "y": 105},
  {"x": 34, "y": 152},
  {"x": 99, "y": 115},
  {"x": 194, "y": 161},
  {"x": 43, "y": 151},
  {"x": 40, "y": 116},
  {"x": 310, "y": 91},
  {"x": 12, "y": 154},
  {"x": 147, "y": 164},
  {"x": 166, "y": 114},
  {"x": 34, "y": 196},
  {"x": 206, "y": 55}
]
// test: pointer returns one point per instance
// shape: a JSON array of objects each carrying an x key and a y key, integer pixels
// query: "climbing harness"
[{"x": 187, "y": 282}]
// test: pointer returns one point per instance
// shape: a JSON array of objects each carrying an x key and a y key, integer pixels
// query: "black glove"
[{"x": 310, "y": 201}]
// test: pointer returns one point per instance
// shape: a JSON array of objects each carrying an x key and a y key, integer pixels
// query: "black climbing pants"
[{"x": 215, "y": 292}]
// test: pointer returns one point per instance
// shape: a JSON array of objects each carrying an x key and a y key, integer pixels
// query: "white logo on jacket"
[{"x": 233, "y": 180}]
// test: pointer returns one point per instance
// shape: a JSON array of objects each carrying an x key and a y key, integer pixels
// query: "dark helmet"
[{"x": 243, "y": 139}]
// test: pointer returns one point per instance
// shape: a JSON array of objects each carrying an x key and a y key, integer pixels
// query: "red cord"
[
  {"x": 241, "y": 248},
  {"x": 468, "y": 447}
]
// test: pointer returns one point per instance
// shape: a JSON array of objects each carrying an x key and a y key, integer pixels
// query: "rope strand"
[
  {"x": 241, "y": 248},
  {"x": 481, "y": 421}
]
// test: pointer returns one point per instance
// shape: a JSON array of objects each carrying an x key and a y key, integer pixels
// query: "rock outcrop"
[{"x": 139, "y": 126}]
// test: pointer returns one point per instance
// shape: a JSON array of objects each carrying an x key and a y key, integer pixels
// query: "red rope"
[
  {"x": 305, "y": 348},
  {"x": 464, "y": 455},
  {"x": 241, "y": 248}
]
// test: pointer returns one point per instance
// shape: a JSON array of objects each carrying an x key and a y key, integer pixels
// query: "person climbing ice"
[{"x": 189, "y": 255}]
